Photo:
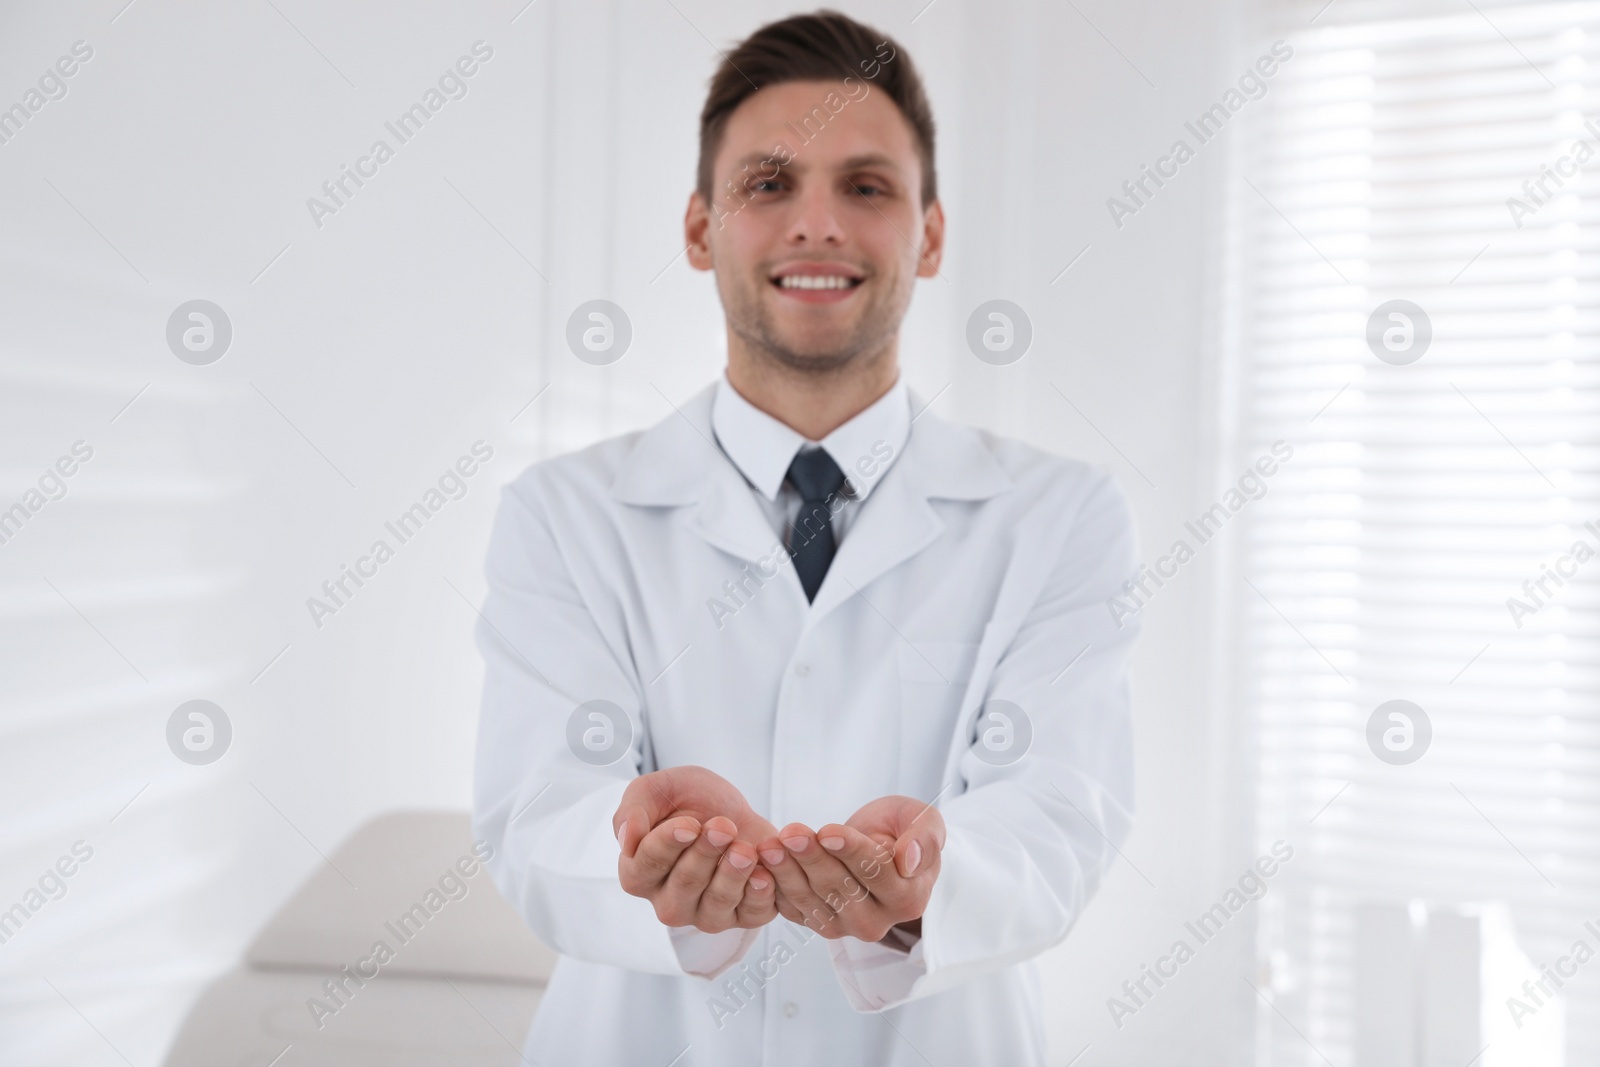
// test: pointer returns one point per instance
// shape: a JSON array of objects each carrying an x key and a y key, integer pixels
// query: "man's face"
[{"x": 819, "y": 244}]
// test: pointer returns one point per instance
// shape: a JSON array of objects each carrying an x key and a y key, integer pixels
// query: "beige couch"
[{"x": 456, "y": 982}]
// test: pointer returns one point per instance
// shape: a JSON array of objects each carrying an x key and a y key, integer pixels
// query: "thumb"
[
  {"x": 921, "y": 840},
  {"x": 916, "y": 852},
  {"x": 627, "y": 838},
  {"x": 645, "y": 802}
]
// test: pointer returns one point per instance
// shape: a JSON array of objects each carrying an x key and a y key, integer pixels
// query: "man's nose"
[{"x": 815, "y": 219}]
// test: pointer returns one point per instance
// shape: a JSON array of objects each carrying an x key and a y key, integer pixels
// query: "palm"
[{"x": 886, "y": 818}]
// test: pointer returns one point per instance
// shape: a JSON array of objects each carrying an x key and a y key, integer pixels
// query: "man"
[{"x": 805, "y": 728}]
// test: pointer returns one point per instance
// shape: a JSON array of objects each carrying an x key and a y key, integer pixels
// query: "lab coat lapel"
[
  {"x": 895, "y": 523},
  {"x": 942, "y": 460},
  {"x": 677, "y": 463},
  {"x": 728, "y": 517}
]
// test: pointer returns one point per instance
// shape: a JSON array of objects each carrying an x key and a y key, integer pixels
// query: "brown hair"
[{"x": 823, "y": 46}]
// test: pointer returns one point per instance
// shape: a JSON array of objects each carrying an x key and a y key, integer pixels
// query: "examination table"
[{"x": 458, "y": 984}]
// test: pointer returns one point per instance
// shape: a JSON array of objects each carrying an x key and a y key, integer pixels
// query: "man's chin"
[{"x": 816, "y": 356}]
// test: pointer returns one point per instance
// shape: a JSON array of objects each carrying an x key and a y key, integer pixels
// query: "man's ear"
[
  {"x": 932, "y": 240},
  {"x": 697, "y": 223}
]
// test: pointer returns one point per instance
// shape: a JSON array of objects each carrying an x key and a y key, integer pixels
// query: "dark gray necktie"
[{"x": 818, "y": 480}]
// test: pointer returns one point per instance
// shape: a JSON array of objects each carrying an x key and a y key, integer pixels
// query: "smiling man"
[{"x": 805, "y": 729}]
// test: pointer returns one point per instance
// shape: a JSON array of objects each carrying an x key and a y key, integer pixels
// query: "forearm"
[{"x": 556, "y": 861}]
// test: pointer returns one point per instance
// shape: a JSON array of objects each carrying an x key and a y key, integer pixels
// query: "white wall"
[{"x": 422, "y": 317}]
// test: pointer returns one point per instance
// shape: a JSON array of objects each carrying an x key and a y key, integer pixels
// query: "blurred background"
[{"x": 1377, "y": 253}]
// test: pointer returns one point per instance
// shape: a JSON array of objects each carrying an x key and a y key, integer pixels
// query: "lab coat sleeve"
[
  {"x": 1029, "y": 840},
  {"x": 546, "y": 812}
]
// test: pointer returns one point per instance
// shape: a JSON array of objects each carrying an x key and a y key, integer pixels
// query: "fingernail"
[
  {"x": 913, "y": 857},
  {"x": 772, "y": 857},
  {"x": 684, "y": 835},
  {"x": 740, "y": 861},
  {"x": 832, "y": 844},
  {"x": 718, "y": 838},
  {"x": 795, "y": 844},
  {"x": 759, "y": 882},
  {"x": 622, "y": 834}
]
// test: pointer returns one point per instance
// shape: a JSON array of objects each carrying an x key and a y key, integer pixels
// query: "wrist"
[{"x": 903, "y": 936}]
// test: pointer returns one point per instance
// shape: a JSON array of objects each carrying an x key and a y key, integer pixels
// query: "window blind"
[{"x": 1406, "y": 153}]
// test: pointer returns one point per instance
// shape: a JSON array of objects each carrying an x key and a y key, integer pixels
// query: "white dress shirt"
[{"x": 763, "y": 447}]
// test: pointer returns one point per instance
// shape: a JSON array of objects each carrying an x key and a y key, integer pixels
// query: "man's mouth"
[{"x": 817, "y": 282}]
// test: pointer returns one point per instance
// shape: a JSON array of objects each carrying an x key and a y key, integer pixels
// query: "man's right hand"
[{"x": 688, "y": 846}]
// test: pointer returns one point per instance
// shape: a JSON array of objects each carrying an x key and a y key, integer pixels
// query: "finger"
[
  {"x": 869, "y": 861},
  {"x": 722, "y": 897},
  {"x": 657, "y": 854},
  {"x": 829, "y": 877},
  {"x": 918, "y": 848},
  {"x": 648, "y": 800},
  {"x": 759, "y": 903},
  {"x": 645, "y": 802},
  {"x": 691, "y": 875},
  {"x": 794, "y": 879},
  {"x": 773, "y": 857},
  {"x": 630, "y": 824},
  {"x": 837, "y": 883},
  {"x": 785, "y": 907}
]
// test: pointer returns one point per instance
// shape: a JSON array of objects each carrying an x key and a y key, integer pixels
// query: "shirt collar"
[{"x": 763, "y": 447}]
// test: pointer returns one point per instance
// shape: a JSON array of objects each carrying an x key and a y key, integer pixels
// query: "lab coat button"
[
  {"x": 801, "y": 670},
  {"x": 791, "y": 1009}
]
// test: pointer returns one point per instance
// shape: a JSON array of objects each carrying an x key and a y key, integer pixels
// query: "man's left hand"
[{"x": 859, "y": 878}]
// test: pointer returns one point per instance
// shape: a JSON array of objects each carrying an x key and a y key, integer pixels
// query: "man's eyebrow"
[{"x": 756, "y": 160}]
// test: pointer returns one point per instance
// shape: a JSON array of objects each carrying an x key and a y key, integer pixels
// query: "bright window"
[{"x": 1422, "y": 496}]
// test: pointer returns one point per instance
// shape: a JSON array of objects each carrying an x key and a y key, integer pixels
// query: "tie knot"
[{"x": 815, "y": 474}]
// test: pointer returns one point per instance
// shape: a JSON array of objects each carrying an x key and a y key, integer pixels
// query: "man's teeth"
[{"x": 814, "y": 281}]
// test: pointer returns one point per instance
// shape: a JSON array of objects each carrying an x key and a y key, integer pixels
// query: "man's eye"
[
  {"x": 762, "y": 185},
  {"x": 867, "y": 189}
]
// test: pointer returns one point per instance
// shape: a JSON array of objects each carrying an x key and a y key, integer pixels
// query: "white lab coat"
[{"x": 978, "y": 569}]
